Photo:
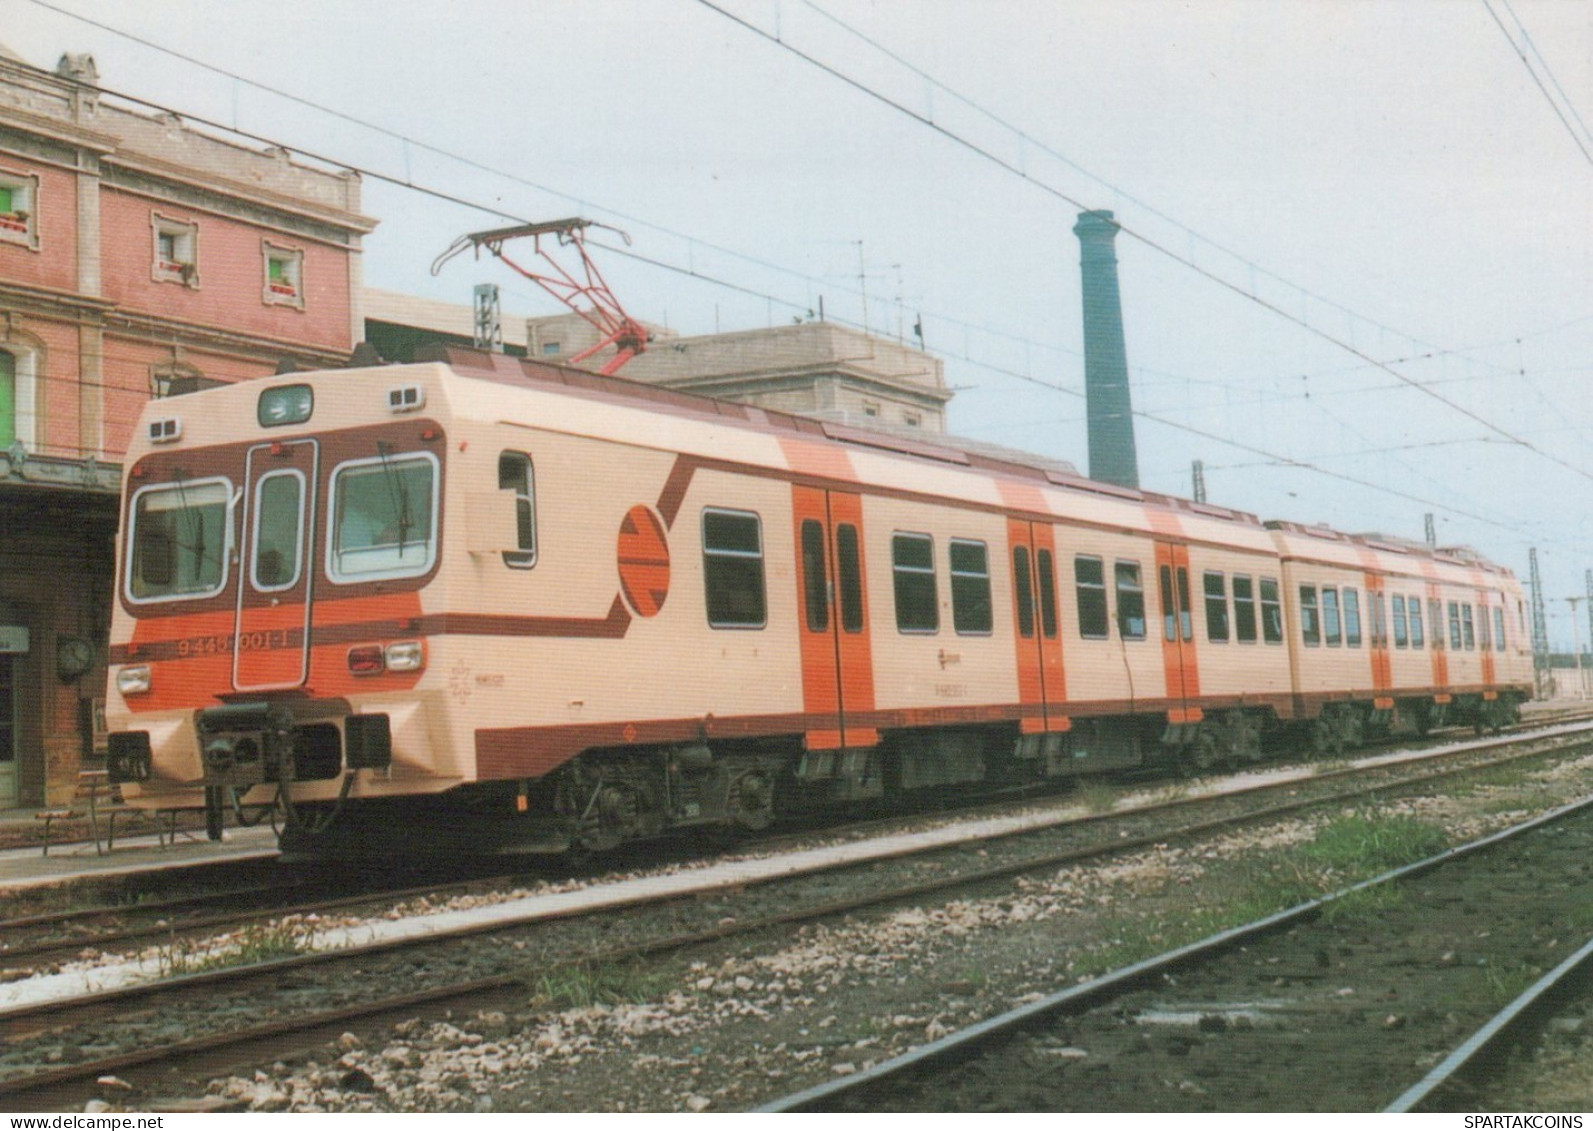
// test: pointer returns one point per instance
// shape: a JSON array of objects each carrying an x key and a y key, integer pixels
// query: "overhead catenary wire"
[
  {"x": 409, "y": 183},
  {"x": 985, "y": 153}
]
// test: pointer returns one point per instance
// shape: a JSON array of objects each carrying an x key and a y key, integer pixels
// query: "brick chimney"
[{"x": 1108, "y": 409}]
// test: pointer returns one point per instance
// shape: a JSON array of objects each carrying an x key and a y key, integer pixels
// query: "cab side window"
[{"x": 515, "y": 474}]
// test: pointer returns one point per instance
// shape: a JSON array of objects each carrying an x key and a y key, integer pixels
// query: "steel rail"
[
  {"x": 964, "y": 1042},
  {"x": 531, "y": 918},
  {"x": 1502, "y": 1025},
  {"x": 42, "y": 1083}
]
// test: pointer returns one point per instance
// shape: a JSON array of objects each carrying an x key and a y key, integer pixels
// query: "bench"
[{"x": 50, "y": 816}]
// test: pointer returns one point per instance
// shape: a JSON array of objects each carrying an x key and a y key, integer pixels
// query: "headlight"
[
  {"x": 133, "y": 679},
  {"x": 405, "y": 656}
]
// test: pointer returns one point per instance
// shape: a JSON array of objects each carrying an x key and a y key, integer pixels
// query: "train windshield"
[
  {"x": 383, "y": 513},
  {"x": 178, "y": 542}
]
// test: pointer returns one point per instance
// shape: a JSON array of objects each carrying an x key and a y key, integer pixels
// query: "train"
[{"x": 491, "y": 605}]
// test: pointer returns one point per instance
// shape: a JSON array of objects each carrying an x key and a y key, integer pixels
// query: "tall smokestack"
[{"x": 1108, "y": 409}]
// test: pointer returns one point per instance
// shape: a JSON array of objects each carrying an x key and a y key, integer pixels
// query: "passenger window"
[
  {"x": 1271, "y": 611},
  {"x": 970, "y": 588},
  {"x": 1468, "y": 634},
  {"x": 179, "y": 541},
  {"x": 732, "y": 561},
  {"x": 1216, "y": 593},
  {"x": 1332, "y": 630},
  {"x": 1089, "y": 579},
  {"x": 1484, "y": 640},
  {"x": 1186, "y": 622},
  {"x": 1352, "y": 617},
  {"x": 913, "y": 563},
  {"x": 514, "y": 474},
  {"x": 278, "y": 530},
  {"x": 1244, "y": 609},
  {"x": 1130, "y": 602},
  {"x": 815, "y": 577},
  {"x": 1023, "y": 590},
  {"x": 849, "y": 564},
  {"x": 1310, "y": 627},
  {"x": 383, "y": 513},
  {"x": 1400, "y": 639},
  {"x": 1498, "y": 629},
  {"x": 1455, "y": 643},
  {"x": 1169, "y": 610},
  {"x": 1417, "y": 635},
  {"x": 1045, "y": 570}
]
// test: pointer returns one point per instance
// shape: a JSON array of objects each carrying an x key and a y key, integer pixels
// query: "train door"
[
  {"x": 272, "y": 641},
  {"x": 1178, "y": 633},
  {"x": 1435, "y": 635},
  {"x": 8, "y": 730},
  {"x": 1042, "y": 688},
  {"x": 1377, "y": 639},
  {"x": 837, "y": 660},
  {"x": 1485, "y": 647}
]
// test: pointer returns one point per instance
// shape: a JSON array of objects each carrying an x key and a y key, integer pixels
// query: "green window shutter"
[
  {"x": 8, "y": 400},
  {"x": 5, "y": 201}
]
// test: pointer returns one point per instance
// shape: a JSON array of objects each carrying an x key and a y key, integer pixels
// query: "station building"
[{"x": 138, "y": 256}]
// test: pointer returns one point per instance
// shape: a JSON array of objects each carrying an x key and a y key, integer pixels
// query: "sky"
[{"x": 1357, "y": 236}]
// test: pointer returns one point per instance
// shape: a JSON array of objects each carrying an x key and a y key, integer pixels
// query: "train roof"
[{"x": 929, "y": 462}]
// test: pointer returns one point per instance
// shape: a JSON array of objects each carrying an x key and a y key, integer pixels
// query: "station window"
[
  {"x": 1417, "y": 634},
  {"x": 1332, "y": 629},
  {"x": 1130, "y": 602},
  {"x": 970, "y": 588},
  {"x": 1271, "y": 611},
  {"x": 176, "y": 251},
  {"x": 284, "y": 275},
  {"x": 1089, "y": 578},
  {"x": 732, "y": 566},
  {"x": 1216, "y": 593},
  {"x": 1244, "y": 609},
  {"x": 19, "y": 209},
  {"x": 515, "y": 474},
  {"x": 1400, "y": 638},
  {"x": 8, "y": 399},
  {"x": 913, "y": 567},
  {"x": 1310, "y": 626},
  {"x": 1352, "y": 617}
]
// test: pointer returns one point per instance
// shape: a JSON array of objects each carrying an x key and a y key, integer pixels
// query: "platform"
[{"x": 28, "y": 867}]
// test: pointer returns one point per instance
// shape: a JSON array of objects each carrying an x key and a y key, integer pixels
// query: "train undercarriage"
[{"x": 605, "y": 798}]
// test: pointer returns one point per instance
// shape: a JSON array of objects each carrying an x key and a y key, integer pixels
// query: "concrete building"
[
  {"x": 135, "y": 253},
  {"x": 813, "y": 368}
]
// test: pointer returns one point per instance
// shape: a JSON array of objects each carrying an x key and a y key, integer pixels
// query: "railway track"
[
  {"x": 307, "y": 993},
  {"x": 1336, "y": 1004},
  {"x": 239, "y": 894}
]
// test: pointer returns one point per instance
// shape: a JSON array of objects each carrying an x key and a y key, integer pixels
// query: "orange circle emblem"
[{"x": 643, "y": 553}]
